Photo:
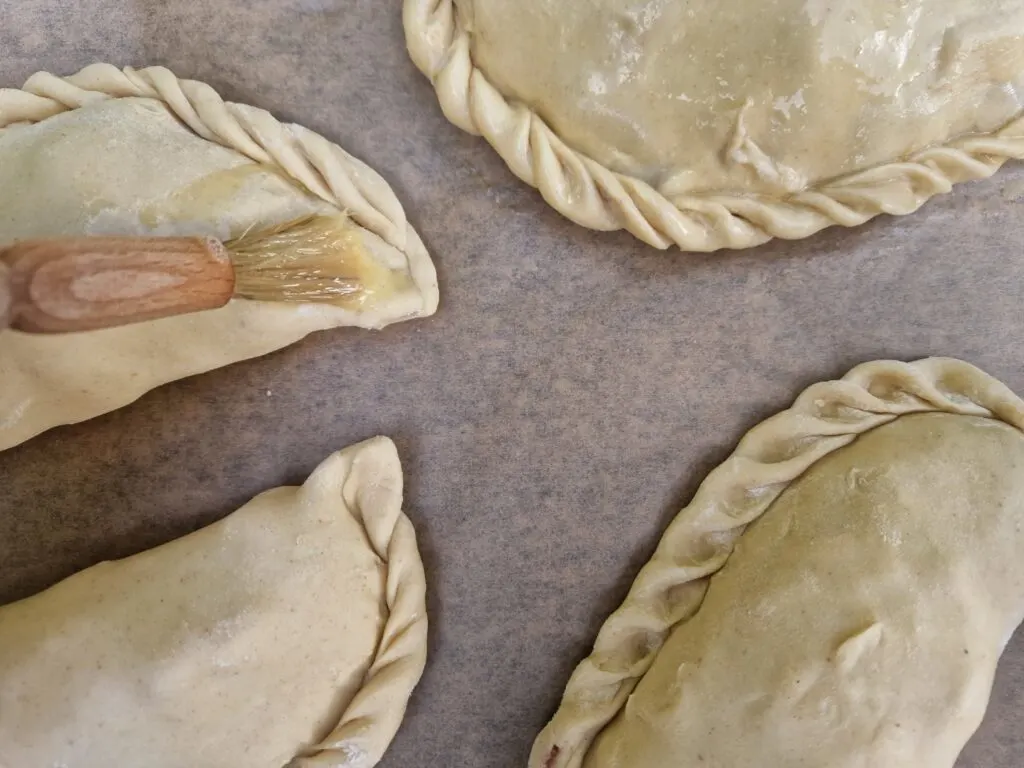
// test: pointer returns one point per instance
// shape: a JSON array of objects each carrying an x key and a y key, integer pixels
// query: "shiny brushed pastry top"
[{"x": 753, "y": 95}]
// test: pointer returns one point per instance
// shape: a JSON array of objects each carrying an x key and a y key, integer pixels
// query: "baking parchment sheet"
[{"x": 566, "y": 400}]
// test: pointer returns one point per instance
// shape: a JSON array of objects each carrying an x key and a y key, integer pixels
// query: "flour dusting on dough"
[
  {"x": 743, "y": 150},
  {"x": 785, "y": 104},
  {"x": 15, "y": 414},
  {"x": 353, "y": 756}
]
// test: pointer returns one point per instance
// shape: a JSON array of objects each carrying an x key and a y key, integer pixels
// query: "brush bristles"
[{"x": 314, "y": 259}]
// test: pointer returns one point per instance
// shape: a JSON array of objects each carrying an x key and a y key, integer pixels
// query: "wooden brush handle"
[{"x": 87, "y": 283}]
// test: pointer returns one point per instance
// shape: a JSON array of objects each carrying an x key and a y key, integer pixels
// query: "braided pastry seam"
[
  {"x": 319, "y": 166},
  {"x": 373, "y": 493},
  {"x": 671, "y": 586},
  {"x": 596, "y": 197}
]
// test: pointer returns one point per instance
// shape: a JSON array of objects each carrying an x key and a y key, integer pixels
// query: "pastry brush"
[{"x": 87, "y": 283}]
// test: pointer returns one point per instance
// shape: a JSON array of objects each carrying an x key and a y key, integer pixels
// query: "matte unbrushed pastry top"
[
  {"x": 290, "y": 633},
  {"x": 836, "y": 595}
]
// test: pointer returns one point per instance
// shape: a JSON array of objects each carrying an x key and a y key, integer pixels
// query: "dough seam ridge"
[{"x": 593, "y": 196}]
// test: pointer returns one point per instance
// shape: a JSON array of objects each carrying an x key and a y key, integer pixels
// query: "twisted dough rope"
[
  {"x": 321, "y": 167},
  {"x": 589, "y": 194},
  {"x": 372, "y": 491},
  {"x": 671, "y": 586}
]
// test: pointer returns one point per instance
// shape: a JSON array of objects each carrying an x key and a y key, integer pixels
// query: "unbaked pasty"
[
  {"x": 723, "y": 124},
  {"x": 290, "y": 633},
  {"x": 856, "y": 622},
  {"x": 108, "y": 151}
]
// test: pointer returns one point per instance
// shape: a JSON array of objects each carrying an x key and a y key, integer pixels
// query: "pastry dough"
[
  {"x": 723, "y": 124},
  {"x": 857, "y": 622},
  {"x": 290, "y": 633},
  {"x": 141, "y": 152}
]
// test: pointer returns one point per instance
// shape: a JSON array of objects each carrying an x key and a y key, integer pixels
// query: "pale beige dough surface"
[
  {"x": 703, "y": 108},
  {"x": 859, "y": 619},
  {"x": 859, "y": 623},
  {"x": 656, "y": 89},
  {"x": 293, "y": 628},
  {"x": 112, "y": 152}
]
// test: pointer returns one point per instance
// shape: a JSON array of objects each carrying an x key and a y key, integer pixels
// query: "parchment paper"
[{"x": 564, "y": 403}]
